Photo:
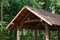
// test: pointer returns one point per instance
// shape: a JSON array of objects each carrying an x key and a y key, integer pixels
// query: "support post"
[
  {"x": 58, "y": 33},
  {"x": 47, "y": 32},
  {"x": 18, "y": 34},
  {"x": 35, "y": 34}
]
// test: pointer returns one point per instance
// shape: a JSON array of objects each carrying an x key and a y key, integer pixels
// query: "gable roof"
[{"x": 48, "y": 17}]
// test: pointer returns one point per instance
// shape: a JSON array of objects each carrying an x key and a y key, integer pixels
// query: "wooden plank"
[
  {"x": 47, "y": 32},
  {"x": 45, "y": 15},
  {"x": 33, "y": 20}
]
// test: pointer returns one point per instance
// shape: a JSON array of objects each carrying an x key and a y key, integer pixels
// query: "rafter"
[{"x": 34, "y": 20}]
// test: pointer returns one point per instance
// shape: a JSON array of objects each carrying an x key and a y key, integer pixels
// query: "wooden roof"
[{"x": 48, "y": 17}]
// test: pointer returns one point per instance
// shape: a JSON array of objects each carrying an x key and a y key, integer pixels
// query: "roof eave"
[{"x": 15, "y": 17}]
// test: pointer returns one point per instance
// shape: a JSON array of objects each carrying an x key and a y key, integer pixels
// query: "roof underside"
[{"x": 31, "y": 16}]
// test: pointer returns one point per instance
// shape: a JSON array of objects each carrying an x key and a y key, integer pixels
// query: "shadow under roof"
[{"x": 48, "y": 17}]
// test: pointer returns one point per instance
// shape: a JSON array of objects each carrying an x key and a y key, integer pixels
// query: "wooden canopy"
[{"x": 33, "y": 18}]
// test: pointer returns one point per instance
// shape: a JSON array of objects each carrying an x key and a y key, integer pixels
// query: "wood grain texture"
[{"x": 28, "y": 12}]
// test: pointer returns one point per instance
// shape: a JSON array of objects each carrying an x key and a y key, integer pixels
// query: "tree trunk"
[
  {"x": 1, "y": 10},
  {"x": 1, "y": 13}
]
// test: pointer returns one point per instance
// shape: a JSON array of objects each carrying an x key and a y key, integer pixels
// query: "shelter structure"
[{"x": 32, "y": 18}]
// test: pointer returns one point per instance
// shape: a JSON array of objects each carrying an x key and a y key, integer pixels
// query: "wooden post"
[
  {"x": 58, "y": 33},
  {"x": 35, "y": 35},
  {"x": 18, "y": 34},
  {"x": 47, "y": 32}
]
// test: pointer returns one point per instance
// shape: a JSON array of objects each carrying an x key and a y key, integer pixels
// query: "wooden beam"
[
  {"x": 27, "y": 21},
  {"x": 22, "y": 20},
  {"x": 32, "y": 20},
  {"x": 58, "y": 33},
  {"x": 47, "y": 32},
  {"x": 18, "y": 34}
]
